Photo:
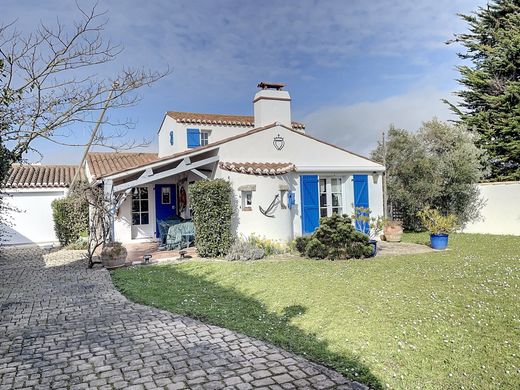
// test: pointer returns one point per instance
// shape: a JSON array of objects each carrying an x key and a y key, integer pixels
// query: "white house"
[
  {"x": 283, "y": 179},
  {"x": 30, "y": 190}
]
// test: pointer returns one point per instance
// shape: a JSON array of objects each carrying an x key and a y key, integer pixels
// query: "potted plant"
[
  {"x": 439, "y": 226},
  {"x": 113, "y": 255},
  {"x": 370, "y": 226},
  {"x": 393, "y": 230}
]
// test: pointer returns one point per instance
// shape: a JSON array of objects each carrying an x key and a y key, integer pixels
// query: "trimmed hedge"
[
  {"x": 210, "y": 201},
  {"x": 70, "y": 216},
  {"x": 335, "y": 238}
]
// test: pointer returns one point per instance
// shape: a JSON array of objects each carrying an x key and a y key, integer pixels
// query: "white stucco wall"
[
  {"x": 33, "y": 224},
  {"x": 310, "y": 157},
  {"x": 180, "y": 142},
  {"x": 501, "y": 211}
]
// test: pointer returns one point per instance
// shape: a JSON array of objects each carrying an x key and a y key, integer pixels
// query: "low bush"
[
  {"x": 210, "y": 201},
  {"x": 270, "y": 247},
  {"x": 335, "y": 238},
  {"x": 245, "y": 250},
  {"x": 315, "y": 249},
  {"x": 300, "y": 244}
]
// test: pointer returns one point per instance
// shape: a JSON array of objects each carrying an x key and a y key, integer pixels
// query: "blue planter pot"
[
  {"x": 374, "y": 246},
  {"x": 439, "y": 241}
]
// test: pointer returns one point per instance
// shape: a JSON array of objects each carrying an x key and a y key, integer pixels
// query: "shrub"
[
  {"x": 315, "y": 249},
  {"x": 270, "y": 247},
  {"x": 436, "y": 223},
  {"x": 335, "y": 238},
  {"x": 245, "y": 250},
  {"x": 300, "y": 244},
  {"x": 210, "y": 201},
  {"x": 70, "y": 216}
]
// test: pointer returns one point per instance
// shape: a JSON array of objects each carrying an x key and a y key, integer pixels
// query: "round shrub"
[
  {"x": 335, "y": 238},
  {"x": 315, "y": 249},
  {"x": 300, "y": 243}
]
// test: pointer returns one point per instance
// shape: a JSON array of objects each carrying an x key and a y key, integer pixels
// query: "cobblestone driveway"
[{"x": 64, "y": 326}]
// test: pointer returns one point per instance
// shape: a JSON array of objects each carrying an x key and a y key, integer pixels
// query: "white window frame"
[
  {"x": 140, "y": 212},
  {"x": 207, "y": 134},
  {"x": 247, "y": 206},
  {"x": 328, "y": 194}
]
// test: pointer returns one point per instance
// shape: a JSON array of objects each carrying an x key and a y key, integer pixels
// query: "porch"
[{"x": 150, "y": 200}]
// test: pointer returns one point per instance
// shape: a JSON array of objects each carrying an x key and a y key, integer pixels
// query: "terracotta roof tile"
[
  {"x": 254, "y": 168},
  {"x": 101, "y": 164},
  {"x": 40, "y": 176},
  {"x": 219, "y": 119}
]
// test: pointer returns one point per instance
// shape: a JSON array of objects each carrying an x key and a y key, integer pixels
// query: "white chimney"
[{"x": 272, "y": 104}]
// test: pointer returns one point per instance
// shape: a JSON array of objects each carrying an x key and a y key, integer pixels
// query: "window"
[
  {"x": 204, "y": 137},
  {"x": 331, "y": 196},
  {"x": 247, "y": 200},
  {"x": 140, "y": 214},
  {"x": 166, "y": 195},
  {"x": 171, "y": 137}
]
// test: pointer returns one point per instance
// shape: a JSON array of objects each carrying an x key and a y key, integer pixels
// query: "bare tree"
[
  {"x": 49, "y": 82},
  {"x": 100, "y": 212}
]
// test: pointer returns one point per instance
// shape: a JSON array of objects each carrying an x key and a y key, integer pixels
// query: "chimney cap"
[{"x": 266, "y": 85}]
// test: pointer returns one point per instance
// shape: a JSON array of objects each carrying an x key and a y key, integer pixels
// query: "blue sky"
[{"x": 352, "y": 67}]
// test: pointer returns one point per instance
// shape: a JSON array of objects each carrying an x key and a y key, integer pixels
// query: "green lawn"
[{"x": 445, "y": 320}]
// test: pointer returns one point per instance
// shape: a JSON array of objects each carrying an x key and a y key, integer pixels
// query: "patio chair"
[{"x": 180, "y": 236}]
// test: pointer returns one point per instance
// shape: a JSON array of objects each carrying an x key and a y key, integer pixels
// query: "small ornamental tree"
[{"x": 210, "y": 201}]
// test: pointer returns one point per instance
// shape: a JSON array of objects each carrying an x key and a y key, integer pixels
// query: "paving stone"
[{"x": 63, "y": 325}]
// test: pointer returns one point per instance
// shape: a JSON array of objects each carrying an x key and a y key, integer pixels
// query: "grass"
[{"x": 446, "y": 320}]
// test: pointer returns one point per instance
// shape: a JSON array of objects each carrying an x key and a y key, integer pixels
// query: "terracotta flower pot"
[
  {"x": 393, "y": 231},
  {"x": 113, "y": 255}
]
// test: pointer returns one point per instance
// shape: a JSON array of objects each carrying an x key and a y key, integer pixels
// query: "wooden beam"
[
  {"x": 199, "y": 173},
  {"x": 182, "y": 167}
]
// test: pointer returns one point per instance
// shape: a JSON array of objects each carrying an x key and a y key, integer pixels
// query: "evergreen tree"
[
  {"x": 437, "y": 167},
  {"x": 490, "y": 100}
]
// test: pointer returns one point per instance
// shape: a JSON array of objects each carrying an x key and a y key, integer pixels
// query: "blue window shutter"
[
  {"x": 309, "y": 203},
  {"x": 193, "y": 138},
  {"x": 361, "y": 195},
  {"x": 171, "y": 137}
]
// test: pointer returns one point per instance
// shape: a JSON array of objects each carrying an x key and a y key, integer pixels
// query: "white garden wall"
[
  {"x": 501, "y": 211},
  {"x": 33, "y": 224}
]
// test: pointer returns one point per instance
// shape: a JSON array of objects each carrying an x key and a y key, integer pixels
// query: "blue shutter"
[
  {"x": 171, "y": 137},
  {"x": 309, "y": 203},
  {"x": 361, "y": 195},
  {"x": 193, "y": 138}
]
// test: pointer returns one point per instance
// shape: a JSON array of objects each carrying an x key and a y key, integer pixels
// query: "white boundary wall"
[
  {"x": 501, "y": 212},
  {"x": 33, "y": 223}
]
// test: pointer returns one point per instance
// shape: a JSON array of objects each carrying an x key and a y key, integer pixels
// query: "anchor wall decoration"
[{"x": 270, "y": 209}]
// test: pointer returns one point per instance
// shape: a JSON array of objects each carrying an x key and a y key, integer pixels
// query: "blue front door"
[
  {"x": 309, "y": 203},
  {"x": 361, "y": 195},
  {"x": 165, "y": 203}
]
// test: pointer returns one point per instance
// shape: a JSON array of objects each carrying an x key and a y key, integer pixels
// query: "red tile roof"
[
  {"x": 40, "y": 176},
  {"x": 219, "y": 119},
  {"x": 254, "y": 168},
  {"x": 102, "y": 164}
]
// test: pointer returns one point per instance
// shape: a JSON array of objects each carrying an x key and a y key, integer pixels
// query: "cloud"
[{"x": 358, "y": 126}]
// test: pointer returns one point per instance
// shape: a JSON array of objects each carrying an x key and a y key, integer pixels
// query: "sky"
[{"x": 351, "y": 67}]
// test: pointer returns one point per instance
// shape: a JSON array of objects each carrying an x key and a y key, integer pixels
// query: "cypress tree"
[{"x": 490, "y": 100}]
